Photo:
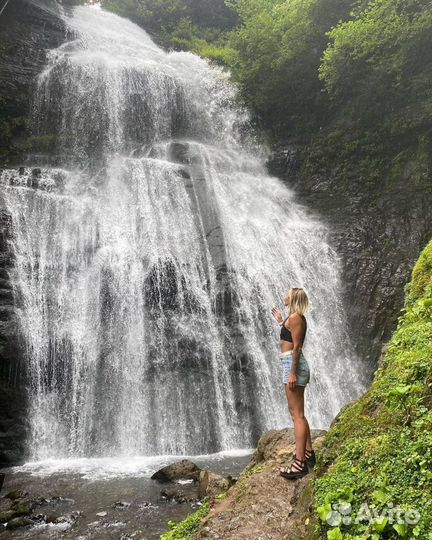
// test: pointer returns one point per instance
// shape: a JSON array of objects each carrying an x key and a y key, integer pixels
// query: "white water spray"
[{"x": 149, "y": 254}]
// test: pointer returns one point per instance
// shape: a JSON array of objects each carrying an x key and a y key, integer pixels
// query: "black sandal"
[
  {"x": 310, "y": 458},
  {"x": 298, "y": 469}
]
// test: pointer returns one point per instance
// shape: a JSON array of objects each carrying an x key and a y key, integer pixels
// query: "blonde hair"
[{"x": 299, "y": 301}]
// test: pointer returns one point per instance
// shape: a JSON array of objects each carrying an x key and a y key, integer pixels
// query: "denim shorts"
[{"x": 303, "y": 372}]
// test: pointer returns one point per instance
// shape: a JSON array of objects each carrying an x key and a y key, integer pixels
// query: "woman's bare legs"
[{"x": 302, "y": 433}]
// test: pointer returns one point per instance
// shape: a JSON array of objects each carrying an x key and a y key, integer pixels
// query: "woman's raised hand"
[{"x": 277, "y": 314}]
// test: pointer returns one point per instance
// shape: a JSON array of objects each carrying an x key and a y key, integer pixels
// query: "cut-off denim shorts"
[{"x": 303, "y": 372}]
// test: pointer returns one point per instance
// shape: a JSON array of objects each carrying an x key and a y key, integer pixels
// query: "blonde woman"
[{"x": 295, "y": 377}]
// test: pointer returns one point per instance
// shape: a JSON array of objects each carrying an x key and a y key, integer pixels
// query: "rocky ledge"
[{"x": 261, "y": 504}]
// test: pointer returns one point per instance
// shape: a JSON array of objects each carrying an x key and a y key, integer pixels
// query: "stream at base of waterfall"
[{"x": 95, "y": 499}]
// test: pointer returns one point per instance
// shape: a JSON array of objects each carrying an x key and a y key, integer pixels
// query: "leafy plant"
[{"x": 184, "y": 529}]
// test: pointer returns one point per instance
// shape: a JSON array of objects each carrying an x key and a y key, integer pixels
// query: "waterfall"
[{"x": 150, "y": 246}]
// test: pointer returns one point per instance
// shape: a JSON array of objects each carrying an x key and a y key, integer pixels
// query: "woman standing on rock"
[{"x": 295, "y": 377}]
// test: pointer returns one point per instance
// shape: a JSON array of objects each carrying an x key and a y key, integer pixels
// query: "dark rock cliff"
[
  {"x": 27, "y": 28},
  {"x": 13, "y": 398},
  {"x": 379, "y": 223}
]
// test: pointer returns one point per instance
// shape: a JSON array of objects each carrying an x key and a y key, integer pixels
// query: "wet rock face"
[
  {"x": 13, "y": 397},
  {"x": 378, "y": 230},
  {"x": 28, "y": 29}
]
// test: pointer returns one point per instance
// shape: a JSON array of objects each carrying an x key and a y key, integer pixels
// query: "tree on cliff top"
[{"x": 381, "y": 62}]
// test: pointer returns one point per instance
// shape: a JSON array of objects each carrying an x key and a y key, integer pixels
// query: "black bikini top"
[{"x": 285, "y": 334}]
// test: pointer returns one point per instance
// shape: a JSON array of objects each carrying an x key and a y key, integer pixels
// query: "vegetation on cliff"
[
  {"x": 199, "y": 26},
  {"x": 306, "y": 64},
  {"x": 377, "y": 457}
]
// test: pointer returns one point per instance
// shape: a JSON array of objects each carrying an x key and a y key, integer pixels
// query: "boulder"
[
  {"x": 276, "y": 443},
  {"x": 212, "y": 484},
  {"x": 121, "y": 504},
  {"x": 6, "y": 516},
  {"x": 68, "y": 518},
  {"x": 182, "y": 470},
  {"x": 176, "y": 496},
  {"x": 16, "y": 494}
]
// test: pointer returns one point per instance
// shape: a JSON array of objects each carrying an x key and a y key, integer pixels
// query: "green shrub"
[{"x": 185, "y": 529}]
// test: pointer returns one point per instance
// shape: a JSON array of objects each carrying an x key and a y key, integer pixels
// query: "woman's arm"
[{"x": 295, "y": 323}]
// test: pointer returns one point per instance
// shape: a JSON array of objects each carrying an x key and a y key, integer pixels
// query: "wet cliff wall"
[
  {"x": 28, "y": 29},
  {"x": 378, "y": 209}
]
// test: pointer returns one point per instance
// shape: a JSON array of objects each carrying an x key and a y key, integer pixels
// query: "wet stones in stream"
[
  {"x": 178, "y": 474},
  {"x": 19, "y": 508},
  {"x": 177, "y": 496},
  {"x": 15, "y": 509},
  {"x": 69, "y": 506},
  {"x": 210, "y": 484}
]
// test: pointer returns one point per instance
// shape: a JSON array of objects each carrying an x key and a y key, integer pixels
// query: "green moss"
[
  {"x": 242, "y": 482},
  {"x": 422, "y": 276},
  {"x": 186, "y": 528},
  {"x": 379, "y": 451}
]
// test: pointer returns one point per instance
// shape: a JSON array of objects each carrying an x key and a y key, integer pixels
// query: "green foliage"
[
  {"x": 304, "y": 65},
  {"x": 185, "y": 529},
  {"x": 421, "y": 277},
  {"x": 125, "y": 8},
  {"x": 381, "y": 60},
  {"x": 183, "y": 24},
  {"x": 379, "y": 452},
  {"x": 206, "y": 42},
  {"x": 278, "y": 50}
]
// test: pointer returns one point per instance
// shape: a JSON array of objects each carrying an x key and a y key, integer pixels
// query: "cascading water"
[{"x": 149, "y": 254}]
